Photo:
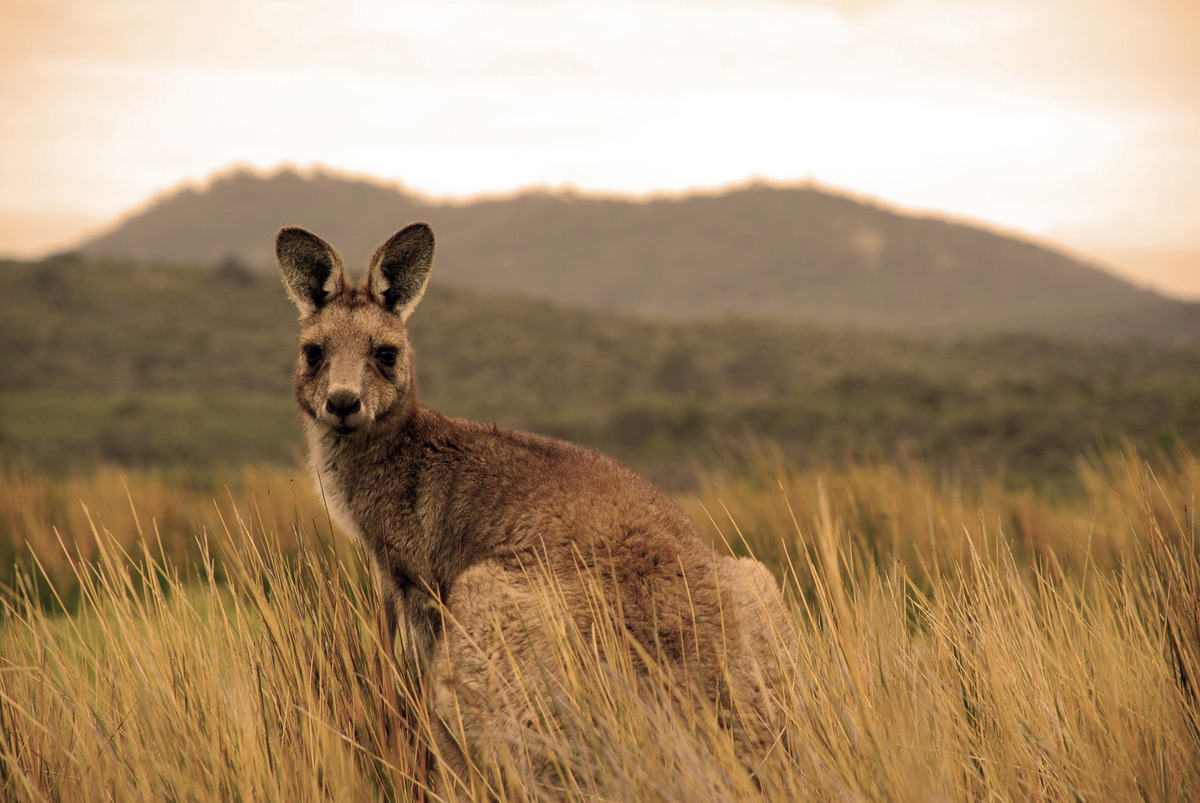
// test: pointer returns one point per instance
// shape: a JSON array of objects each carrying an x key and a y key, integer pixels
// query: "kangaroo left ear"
[{"x": 399, "y": 269}]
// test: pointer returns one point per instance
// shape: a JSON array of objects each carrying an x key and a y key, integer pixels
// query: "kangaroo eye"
[
  {"x": 313, "y": 354},
  {"x": 386, "y": 355}
]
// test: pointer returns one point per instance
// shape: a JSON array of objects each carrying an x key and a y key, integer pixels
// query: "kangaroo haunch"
[{"x": 467, "y": 524}]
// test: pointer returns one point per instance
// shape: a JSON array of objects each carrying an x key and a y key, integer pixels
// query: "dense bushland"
[{"x": 144, "y": 365}]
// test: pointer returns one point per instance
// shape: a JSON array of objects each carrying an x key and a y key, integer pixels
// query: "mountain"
[{"x": 794, "y": 252}]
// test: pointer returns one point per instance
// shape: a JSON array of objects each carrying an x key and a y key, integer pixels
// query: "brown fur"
[{"x": 465, "y": 522}]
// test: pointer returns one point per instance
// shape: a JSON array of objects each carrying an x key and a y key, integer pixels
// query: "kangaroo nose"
[{"x": 343, "y": 403}]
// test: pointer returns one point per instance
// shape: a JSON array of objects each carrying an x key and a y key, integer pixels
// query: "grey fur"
[{"x": 464, "y": 521}]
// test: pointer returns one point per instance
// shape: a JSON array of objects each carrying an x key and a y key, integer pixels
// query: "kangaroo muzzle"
[
  {"x": 343, "y": 411},
  {"x": 343, "y": 403}
]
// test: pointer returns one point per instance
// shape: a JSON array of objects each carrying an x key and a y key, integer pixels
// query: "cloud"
[{"x": 1020, "y": 112}]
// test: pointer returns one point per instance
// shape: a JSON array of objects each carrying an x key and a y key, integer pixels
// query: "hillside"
[
  {"x": 795, "y": 253},
  {"x": 151, "y": 365}
]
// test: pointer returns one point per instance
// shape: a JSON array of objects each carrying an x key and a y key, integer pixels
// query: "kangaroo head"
[{"x": 354, "y": 369}]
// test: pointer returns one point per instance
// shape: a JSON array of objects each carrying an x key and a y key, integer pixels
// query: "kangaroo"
[{"x": 463, "y": 521}]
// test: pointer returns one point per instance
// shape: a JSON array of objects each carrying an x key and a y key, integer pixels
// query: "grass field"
[{"x": 958, "y": 639}]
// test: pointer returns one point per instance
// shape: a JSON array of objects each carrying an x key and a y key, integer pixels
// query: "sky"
[{"x": 1075, "y": 121}]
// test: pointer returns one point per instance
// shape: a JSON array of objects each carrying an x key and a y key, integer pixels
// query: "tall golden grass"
[
  {"x": 956, "y": 640},
  {"x": 51, "y": 519}
]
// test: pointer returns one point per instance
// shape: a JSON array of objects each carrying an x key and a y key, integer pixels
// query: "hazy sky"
[{"x": 1073, "y": 120}]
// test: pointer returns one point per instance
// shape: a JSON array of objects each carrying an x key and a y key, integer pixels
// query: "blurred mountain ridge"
[{"x": 758, "y": 250}]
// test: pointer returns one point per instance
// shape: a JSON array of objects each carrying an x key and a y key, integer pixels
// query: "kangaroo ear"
[
  {"x": 399, "y": 269},
  {"x": 311, "y": 268}
]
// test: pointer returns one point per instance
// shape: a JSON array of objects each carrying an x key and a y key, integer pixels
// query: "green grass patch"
[{"x": 198, "y": 430}]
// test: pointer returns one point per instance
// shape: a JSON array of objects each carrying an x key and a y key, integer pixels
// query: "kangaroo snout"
[
  {"x": 343, "y": 402},
  {"x": 344, "y": 412}
]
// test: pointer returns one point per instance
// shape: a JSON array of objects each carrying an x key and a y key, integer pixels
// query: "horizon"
[
  {"x": 319, "y": 170},
  {"x": 1077, "y": 126}
]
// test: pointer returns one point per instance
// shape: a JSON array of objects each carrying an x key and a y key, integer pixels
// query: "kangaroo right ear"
[{"x": 312, "y": 270}]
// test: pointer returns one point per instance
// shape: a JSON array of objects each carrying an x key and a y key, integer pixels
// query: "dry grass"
[
  {"x": 40, "y": 514},
  {"x": 956, "y": 641}
]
